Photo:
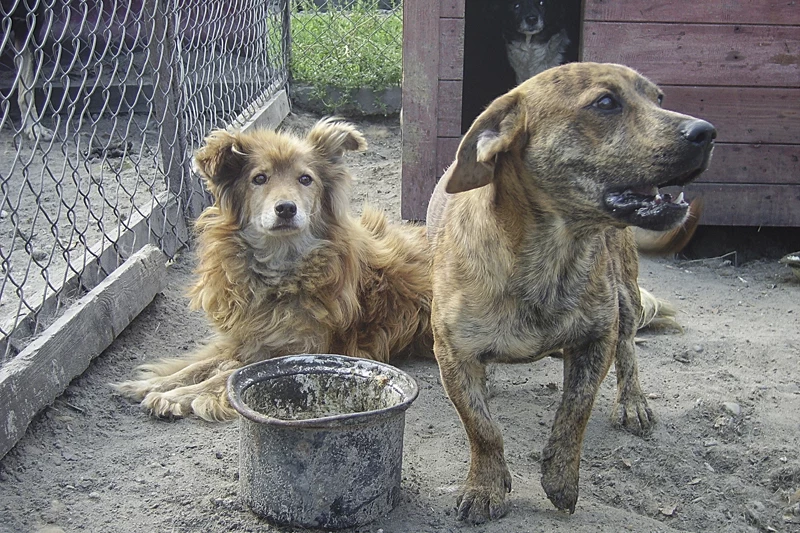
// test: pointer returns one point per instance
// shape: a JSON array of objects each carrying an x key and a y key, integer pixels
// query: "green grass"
[{"x": 359, "y": 47}]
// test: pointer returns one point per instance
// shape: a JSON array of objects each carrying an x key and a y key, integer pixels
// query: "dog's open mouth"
[{"x": 647, "y": 207}]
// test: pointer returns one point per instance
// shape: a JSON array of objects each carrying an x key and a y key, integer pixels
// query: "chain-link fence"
[
  {"x": 342, "y": 46},
  {"x": 103, "y": 102}
]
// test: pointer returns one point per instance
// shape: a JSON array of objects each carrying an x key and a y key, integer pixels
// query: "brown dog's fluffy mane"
[{"x": 356, "y": 287}]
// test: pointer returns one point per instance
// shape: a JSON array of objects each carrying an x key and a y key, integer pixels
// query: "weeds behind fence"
[{"x": 346, "y": 46}]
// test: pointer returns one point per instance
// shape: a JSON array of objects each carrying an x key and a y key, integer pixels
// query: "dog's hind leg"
[
  {"x": 584, "y": 370},
  {"x": 489, "y": 480}
]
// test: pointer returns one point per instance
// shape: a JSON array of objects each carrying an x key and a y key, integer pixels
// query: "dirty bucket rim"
[{"x": 239, "y": 382}]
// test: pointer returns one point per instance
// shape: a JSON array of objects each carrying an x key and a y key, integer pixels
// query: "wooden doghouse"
[{"x": 734, "y": 63}]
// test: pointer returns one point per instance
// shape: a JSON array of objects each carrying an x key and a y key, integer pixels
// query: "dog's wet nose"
[
  {"x": 699, "y": 132},
  {"x": 532, "y": 20},
  {"x": 286, "y": 210}
]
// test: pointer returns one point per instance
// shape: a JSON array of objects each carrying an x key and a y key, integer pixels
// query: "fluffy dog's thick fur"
[
  {"x": 533, "y": 254},
  {"x": 285, "y": 269}
]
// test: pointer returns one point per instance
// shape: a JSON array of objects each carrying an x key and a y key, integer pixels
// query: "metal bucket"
[{"x": 320, "y": 438}]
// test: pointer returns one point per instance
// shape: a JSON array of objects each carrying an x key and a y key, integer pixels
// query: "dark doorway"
[{"x": 487, "y": 71}]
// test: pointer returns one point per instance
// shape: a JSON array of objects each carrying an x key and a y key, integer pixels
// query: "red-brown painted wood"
[
  {"x": 451, "y": 49},
  {"x": 451, "y": 8},
  {"x": 742, "y": 114},
  {"x": 777, "y": 164},
  {"x": 728, "y": 204},
  {"x": 420, "y": 99},
  {"x": 699, "y": 54},
  {"x": 449, "y": 119},
  {"x": 445, "y": 153},
  {"x": 778, "y": 12}
]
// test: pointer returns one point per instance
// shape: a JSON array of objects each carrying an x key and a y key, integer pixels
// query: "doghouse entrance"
[{"x": 487, "y": 70}]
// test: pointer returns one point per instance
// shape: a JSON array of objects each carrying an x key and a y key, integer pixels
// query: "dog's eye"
[
  {"x": 305, "y": 179},
  {"x": 516, "y": 7},
  {"x": 260, "y": 179},
  {"x": 606, "y": 103},
  {"x": 660, "y": 100}
]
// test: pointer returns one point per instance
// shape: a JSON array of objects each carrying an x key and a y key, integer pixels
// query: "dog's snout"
[
  {"x": 286, "y": 210},
  {"x": 532, "y": 20},
  {"x": 699, "y": 132}
]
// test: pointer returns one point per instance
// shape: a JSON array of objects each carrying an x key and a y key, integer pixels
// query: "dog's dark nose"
[
  {"x": 285, "y": 210},
  {"x": 699, "y": 132},
  {"x": 532, "y": 20}
]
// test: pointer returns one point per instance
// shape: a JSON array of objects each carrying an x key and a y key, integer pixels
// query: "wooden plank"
[
  {"x": 775, "y": 164},
  {"x": 420, "y": 98},
  {"x": 451, "y": 9},
  {"x": 778, "y": 12},
  {"x": 163, "y": 224},
  {"x": 267, "y": 116},
  {"x": 451, "y": 49},
  {"x": 45, "y": 367},
  {"x": 445, "y": 155},
  {"x": 748, "y": 204},
  {"x": 742, "y": 114},
  {"x": 699, "y": 54},
  {"x": 449, "y": 119}
]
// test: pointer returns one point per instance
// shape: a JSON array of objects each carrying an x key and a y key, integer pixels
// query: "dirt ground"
[
  {"x": 60, "y": 197},
  {"x": 725, "y": 456}
]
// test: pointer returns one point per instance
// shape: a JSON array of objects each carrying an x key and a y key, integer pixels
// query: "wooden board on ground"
[{"x": 41, "y": 372}]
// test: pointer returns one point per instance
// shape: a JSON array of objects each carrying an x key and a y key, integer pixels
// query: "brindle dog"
[{"x": 533, "y": 254}]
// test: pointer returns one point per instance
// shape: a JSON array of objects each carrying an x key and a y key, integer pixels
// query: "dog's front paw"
[
  {"x": 183, "y": 401},
  {"x": 560, "y": 479},
  {"x": 167, "y": 404},
  {"x": 485, "y": 499},
  {"x": 634, "y": 415},
  {"x": 214, "y": 407}
]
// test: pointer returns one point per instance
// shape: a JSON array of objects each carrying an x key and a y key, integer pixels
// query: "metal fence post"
[{"x": 166, "y": 67}]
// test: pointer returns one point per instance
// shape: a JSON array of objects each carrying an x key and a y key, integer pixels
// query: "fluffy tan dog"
[{"x": 284, "y": 268}]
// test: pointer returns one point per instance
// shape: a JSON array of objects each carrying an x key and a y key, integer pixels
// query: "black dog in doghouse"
[
  {"x": 507, "y": 41},
  {"x": 536, "y": 34}
]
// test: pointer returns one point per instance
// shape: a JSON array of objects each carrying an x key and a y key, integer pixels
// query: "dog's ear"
[
  {"x": 494, "y": 131},
  {"x": 220, "y": 160},
  {"x": 331, "y": 137}
]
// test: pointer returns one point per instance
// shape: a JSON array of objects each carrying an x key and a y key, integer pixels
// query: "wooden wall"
[
  {"x": 735, "y": 63},
  {"x": 433, "y": 59}
]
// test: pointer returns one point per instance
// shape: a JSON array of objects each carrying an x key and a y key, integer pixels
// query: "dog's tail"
[
  {"x": 658, "y": 314},
  {"x": 374, "y": 220},
  {"x": 673, "y": 241}
]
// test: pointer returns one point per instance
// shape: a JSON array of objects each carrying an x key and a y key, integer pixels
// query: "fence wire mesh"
[
  {"x": 340, "y": 46},
  {"x": 102, "y": 104}
]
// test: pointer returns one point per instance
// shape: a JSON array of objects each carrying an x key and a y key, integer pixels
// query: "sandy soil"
[
  {"x": 60, "y": 197},
  {"x": 724, "y": 458}
]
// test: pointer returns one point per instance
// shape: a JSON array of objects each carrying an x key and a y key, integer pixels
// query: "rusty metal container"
[{"x": 321, "y": 438}]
